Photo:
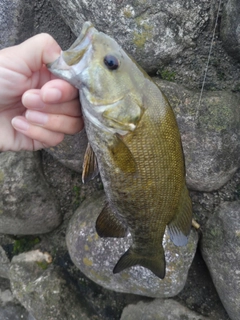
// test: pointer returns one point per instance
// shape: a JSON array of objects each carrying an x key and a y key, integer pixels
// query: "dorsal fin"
[
  {"x": 107, "y": 224},
  {"x": 90, "y": 165}
]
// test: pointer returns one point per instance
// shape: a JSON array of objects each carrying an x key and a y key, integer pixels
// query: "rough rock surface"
[
  {"x": 11, "y": 22},
  {"x": 230, "y": 28},
  {"x": 70, "y": 152},
  {"x": 96, "y": 257},
  {"x": 4, "y": 264},
  {"x": 220, "y": 248},
  {"x": 10, "y": 309},
  {"x": 210, "y": 137},
  {"x": 161, "y": 29},
  {"x": 160, "y": 310},
  {"x": 27, "y": 205},
  {"x": 42, "y": 289}
]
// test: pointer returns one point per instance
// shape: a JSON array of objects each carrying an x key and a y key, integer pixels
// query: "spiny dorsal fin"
[
  {"x": 122, "y": 156},
  {"x": 180, "y": 227},
  {"x": 107, "y": 225},
  {"x": 90, "y": 165},
  {"x": 156, "y": 263}
]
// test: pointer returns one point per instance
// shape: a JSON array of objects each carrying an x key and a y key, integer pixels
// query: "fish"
[{"x": 135, "y": 145}]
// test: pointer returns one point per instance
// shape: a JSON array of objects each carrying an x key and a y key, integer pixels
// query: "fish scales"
[{"x": 134, "y": 136}]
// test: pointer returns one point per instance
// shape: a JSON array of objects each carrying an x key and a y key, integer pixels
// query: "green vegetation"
[
  {"x": 42, "y": 264},
  {"x": 167, "y": 74},
  {"x": 24, "y": 244}
]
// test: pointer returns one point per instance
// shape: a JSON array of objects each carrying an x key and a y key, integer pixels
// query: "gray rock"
[
  {"x": 4, "y": 264},
  {"x": 42, "y": 289},
  {"x": 96, "y": 257},
  {"x": 157, "y": 29},
  {"x": 13, "y": 16},
  {"x": 27, "y": 205},
  {"x": 211, "y": 140},
  {"x": 230, "y": 28},
  {"x": 220, "y": 249},
  {"x": 160, "y": 310},
  {"x": 10, "y": 309},
  {"x": 14, "y": 312},
  {"x": 70, "y": 152}
]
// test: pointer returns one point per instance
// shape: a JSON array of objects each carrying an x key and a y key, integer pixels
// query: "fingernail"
[
  {"x": 52, "y": 95},
  {"x": 36, "y": 117},
  {"x": 20, "y": 124},
  {"x": 33, "y": 100}
]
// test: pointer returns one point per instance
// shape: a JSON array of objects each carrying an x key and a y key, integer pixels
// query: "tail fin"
[{"x": 155, "y": 263}]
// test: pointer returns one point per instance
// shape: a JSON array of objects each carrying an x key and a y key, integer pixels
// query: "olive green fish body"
[{"x": 134, "y": 136}]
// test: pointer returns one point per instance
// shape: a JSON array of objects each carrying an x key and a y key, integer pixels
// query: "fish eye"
[{"x": 111, "y": 62}]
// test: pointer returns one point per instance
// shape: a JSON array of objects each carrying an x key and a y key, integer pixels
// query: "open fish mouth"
[{"x": 74, "y": 60}]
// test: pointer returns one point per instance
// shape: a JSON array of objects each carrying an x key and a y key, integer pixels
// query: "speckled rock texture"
[
  {"x": 27, "y": 205},
  {"x": 4, "y": 264},
  {"x": 160, "y": 310},
  {"x": 70, "y": 152},
  {"x": 35, "y": 280},
  {"x": 157, "y": 29},
  {"x": 210, "y": 134},
  {"x": 220, "y": 248},
  {"x": 230, "y": 28},
  {"x": 96, "y": 257}
]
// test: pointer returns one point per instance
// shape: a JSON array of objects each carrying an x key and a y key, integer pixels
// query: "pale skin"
[{"x": 36, "y": 109}]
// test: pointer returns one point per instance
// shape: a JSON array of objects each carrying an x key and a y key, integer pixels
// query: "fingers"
[
  {"x": 56, "y": 96},
  {"x": 41, "y": 137},
  {"x": 54, "y": 107},
  {"x": 55, "y": 122},
  {"x": 58, "y": 91}
]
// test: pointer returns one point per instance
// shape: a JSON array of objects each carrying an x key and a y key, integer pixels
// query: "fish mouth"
[{"x": 71, "y": 62}]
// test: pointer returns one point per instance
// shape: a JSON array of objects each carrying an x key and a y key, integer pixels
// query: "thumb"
[{"x": 37, "y": 50}]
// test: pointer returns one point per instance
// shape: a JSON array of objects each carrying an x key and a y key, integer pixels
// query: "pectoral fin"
[
  {"x": 156, "y": 263},
  {"x": 122, "y": 156},
  {"x": 107, "y": 225},
  {"x": 180, "y": 227},
  {"x": 90, "y": 165}
]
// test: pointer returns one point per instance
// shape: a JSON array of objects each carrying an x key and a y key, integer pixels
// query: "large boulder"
[
  {"x": 27, "y": 204},
  {"x": 157, "y": 29},
  {"x": 96, "y": 257},
  {"x": 160, "y": 309},
  {"x": 210, "y": 133},
  {"x": 42, "y": 288},
  {"x": 220, "y": 249}
]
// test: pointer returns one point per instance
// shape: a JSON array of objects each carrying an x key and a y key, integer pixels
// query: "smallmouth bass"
[{"x": 134, "y": 143}]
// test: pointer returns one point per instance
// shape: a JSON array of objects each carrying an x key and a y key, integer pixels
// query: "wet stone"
[{"x": 96, "y": 257}]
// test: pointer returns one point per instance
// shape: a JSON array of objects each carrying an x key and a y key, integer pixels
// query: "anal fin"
[
  {"x": 180, "y": 227},
  {"x": 156, "y": 263},
  {"x": 107, "y": 224},
  {"x": 90, "y": 165}
]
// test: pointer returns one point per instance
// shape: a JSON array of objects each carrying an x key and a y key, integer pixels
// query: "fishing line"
[{"x": 206, "y": 68}]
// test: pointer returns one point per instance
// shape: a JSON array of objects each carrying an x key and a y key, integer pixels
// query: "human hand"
[{"x": 36, "y": 109}]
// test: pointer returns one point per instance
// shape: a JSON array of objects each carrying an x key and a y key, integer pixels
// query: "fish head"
[{"x": 107, "y": 77}]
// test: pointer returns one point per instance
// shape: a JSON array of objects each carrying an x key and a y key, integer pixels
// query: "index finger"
[{"x": 58, "y": 91}]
